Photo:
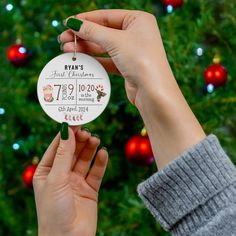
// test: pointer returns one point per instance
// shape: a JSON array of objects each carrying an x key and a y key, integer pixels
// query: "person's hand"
[
  {"x": 133, "y": 43},
  {"x": 66, "y": 192},
  {"x": 130, "y": 38}
]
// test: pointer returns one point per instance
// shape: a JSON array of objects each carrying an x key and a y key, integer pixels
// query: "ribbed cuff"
[{"x": 191, "y": 188}]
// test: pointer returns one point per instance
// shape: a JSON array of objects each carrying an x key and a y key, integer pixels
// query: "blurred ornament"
[
  {"x": 173, "y": 3},
  {"x": 138, "y": 150},
  {"x": 215, "y": 75},
  {"x": 18, "y": 55},
  {"x": 28, "y": 175}
]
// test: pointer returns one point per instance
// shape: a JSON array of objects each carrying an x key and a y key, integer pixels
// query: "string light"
[
  {"x": 210, "y": 88},
  {"x": 55, "y": 23},
  {"x": 16, "y": 146},
  {"x": 200, "y": 52},
  {"x": 2, "y": 111},
  {"x": 169, "y": 8},
  {"x": 22, "y": 50},
  {"x": 9, "y": 7}
]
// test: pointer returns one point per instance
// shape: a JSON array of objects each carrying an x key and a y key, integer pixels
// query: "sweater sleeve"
[{"x": 196, "y": 193}]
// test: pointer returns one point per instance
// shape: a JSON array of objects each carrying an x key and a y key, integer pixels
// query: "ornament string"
[{"x": 75, "y": 46}]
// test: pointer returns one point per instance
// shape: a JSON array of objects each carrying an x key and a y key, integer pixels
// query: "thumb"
[
  {"x": 93, "y": 32},
  {"x": 65, "y": 151}
]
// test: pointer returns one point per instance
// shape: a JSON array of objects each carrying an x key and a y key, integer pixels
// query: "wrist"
[
  {"x": 156, "y": 89},
  {"x": 43, "y": 231},
  {"x": 50, "y": 233},
  {"x": 171, "y": 125},
  {"x": 154, "y": 79}
]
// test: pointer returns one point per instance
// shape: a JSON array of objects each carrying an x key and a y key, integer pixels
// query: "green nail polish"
[
  {"x": 104, "y": 148},
  {"x": 85, "y": 129},
  {"x": 96, "y": 136},
  {"x": 58, "y": 39},
  {"x": 74, "y": 24},
  {"x": 62, "y": 46},
  {"x": 64, "y": 22},
  {"x": 64, "y": 131}
]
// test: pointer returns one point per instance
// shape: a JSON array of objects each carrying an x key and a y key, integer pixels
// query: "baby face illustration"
[{"x": 47, "y": 91}]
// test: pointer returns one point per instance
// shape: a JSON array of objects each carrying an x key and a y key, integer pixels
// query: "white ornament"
[{"x": 73, "y": 91}]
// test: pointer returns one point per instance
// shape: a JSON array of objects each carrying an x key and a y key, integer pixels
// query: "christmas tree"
[{"x": 200, "y": 43}]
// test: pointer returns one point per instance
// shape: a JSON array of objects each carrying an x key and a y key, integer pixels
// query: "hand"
[
  {"x": 66, "y": 192},
  {"x": 130, "y": 38},
  {"x": 133, "y": 42}
]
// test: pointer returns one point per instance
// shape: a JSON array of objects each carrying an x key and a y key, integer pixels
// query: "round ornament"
[
  {"x": 73, "y": 88},
  {"x": 18, "y": 54},
  {"x": 216, "y": 75},
  {"x": 28, "y": 175},
  {"x": 138, "y": 150},
  {"x": 174, "y": 3}
]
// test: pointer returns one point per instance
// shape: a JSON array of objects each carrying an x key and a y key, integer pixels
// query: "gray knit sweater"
[{"x": 196, "y": 193}]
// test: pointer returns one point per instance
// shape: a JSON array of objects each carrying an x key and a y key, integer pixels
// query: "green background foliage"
[{"x": 203, "y": 23}]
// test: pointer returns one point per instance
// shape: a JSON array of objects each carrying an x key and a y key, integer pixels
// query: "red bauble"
[
  {"x": 215, "y": 74},
  {"x": 138, "y": 150},
  {"x": 174, "y": 3},
  {"x": 18, "y": 54},
  {"x": 28, "y": 175}
]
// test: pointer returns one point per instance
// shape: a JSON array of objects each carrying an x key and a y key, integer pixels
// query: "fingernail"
[
  {"x": 85, "y": 129},
  {"x": 104, "y": 148},
  {"x": 74, "y": 24},
  {"x": 64, "y": 22},
  {"x": 58, "y": 38},
  {"x": 64, "y": 131},
  {"x": 95, "y": 135},
  {"x": 61, "y": 46}
]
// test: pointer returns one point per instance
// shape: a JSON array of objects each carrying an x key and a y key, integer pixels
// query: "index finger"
[
  {"x": 109, "y": 17},
  {"x": 49, "y": 155}
]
